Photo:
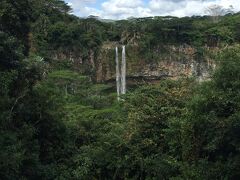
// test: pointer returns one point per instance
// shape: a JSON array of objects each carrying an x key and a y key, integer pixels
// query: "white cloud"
[
  {"x": 164, "y": 6},
  {"x": 82, "y": 7},
  {"x": 182, "y": 8},
  {"x": 122, "y": 9},
  {"x": 234, "y": 3}
]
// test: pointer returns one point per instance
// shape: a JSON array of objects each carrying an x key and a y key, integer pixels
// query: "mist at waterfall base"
[{"x": 121, "y": 77}]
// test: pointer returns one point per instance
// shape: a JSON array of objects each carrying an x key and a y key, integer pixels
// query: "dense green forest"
[{"x": 56, "y": 122}]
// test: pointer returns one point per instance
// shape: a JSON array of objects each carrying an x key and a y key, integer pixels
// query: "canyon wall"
[{"x": 164, "y": 62}]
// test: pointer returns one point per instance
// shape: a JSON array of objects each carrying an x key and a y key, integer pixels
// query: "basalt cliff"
[{"x": 165, "y": 62}]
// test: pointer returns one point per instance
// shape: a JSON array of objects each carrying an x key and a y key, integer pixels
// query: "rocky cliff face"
[
  {"x": 164, "y": 62},
  {"x": 167, "y": 61}
]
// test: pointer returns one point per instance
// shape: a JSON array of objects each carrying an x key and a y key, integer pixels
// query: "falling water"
[
  {"x": 121, "y": 73},
  {"x": 123, "y": 69},
  {"x": 117, "y": 74}
]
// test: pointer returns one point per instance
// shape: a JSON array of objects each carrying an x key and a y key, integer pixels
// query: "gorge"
[{"x": 153, "y": 98}]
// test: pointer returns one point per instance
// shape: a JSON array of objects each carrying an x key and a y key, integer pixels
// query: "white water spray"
[
  {"x": 117, "y": 74},
  {"x": 123, "y": 69},
  {"x": 121, "y": 73}
]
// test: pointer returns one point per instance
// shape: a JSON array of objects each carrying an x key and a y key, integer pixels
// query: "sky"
[{"x": 122, "y": 9}]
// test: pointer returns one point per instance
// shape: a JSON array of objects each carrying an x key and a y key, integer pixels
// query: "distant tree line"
[{"x": 56, "y": 123}]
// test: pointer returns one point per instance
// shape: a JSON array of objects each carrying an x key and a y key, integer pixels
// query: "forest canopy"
[{"x": 57, "y": 122}]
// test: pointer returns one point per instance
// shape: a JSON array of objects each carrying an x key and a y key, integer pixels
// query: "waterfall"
[
  {"x": 117, "y": 74},
  {"x": 123, "y": 69},
  {"x": 121, "y": 75}
]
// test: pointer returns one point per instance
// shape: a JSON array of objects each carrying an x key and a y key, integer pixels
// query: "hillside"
[
  {"x": 156, "y": 46},
  {"x": 60, "y": 117}
]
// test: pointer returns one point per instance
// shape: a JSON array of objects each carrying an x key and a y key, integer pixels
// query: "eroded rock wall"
[{"x": 174, "y": 62}]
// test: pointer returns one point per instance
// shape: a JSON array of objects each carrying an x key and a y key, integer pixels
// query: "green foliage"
[
  {"x": 150, "y": 110},
  {"x": 11, "y": 51},
  {"x": 56, "y": 123},
  {"x": 210, "y": 137}
]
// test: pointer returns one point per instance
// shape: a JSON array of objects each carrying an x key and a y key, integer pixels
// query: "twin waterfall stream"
[{"x": 121, "y": 73}]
